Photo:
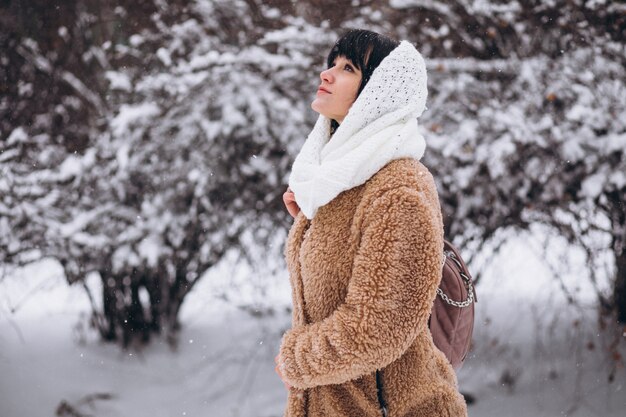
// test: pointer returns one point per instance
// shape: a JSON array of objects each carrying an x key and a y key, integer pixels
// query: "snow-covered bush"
[
  {"x": 205, "y": 108},
  {"x": 142, "y": 140}
]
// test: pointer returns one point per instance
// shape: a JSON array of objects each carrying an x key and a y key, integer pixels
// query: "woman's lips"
[{"x": 321, "y": 90}]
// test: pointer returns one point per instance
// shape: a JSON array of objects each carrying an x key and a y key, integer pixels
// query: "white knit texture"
[{"x": 380, "y": 126}]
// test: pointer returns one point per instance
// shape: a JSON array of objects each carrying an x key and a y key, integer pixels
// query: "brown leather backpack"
[{"x": 452, "y": 318}]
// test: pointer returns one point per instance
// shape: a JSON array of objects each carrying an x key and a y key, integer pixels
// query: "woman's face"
[{"x": 338, "y": 89}]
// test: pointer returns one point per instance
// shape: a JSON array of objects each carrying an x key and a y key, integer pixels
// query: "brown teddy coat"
[{"x": 364, "y": 273}]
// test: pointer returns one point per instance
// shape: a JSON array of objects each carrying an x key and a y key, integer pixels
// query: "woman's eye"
[{"x": 349, "y": 67}]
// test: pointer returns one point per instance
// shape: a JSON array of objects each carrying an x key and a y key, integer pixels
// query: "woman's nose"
[{"x": 326, "y": 75}]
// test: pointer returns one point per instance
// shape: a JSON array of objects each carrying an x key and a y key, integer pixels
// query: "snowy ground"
[{"x": 532, "y": 355}]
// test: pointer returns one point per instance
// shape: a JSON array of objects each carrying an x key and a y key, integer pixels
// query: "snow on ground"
[{"x": 531, "y": 356}]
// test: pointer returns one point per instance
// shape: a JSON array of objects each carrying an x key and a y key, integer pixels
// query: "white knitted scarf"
[{"x": 381, "y": 125}]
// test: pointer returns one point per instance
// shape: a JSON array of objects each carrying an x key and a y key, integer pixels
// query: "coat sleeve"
[{"x": 395, "y": 275}]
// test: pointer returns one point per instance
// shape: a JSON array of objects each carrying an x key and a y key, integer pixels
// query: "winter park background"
[{"x": 145, "y": 146}]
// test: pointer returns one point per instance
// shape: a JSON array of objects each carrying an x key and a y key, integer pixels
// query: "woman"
[{"x": 366, "y": 248}]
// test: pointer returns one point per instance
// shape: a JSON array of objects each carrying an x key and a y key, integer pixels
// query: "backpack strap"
[{"x": 451, "y": 254}]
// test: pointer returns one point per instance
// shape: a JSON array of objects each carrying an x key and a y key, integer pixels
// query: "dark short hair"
[{"x": 365, "y": 49}]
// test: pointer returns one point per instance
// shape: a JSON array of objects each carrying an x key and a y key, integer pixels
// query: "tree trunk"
[
  {"x": 619, "y": 289},
  {"x": 128, "y": 320},
  {"x": 618, "y": 223}
]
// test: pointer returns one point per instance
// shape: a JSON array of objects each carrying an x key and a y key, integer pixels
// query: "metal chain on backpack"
[{"x": 468, "y": 282}]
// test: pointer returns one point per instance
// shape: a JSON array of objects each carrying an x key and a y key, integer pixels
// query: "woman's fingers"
[
  {"x": 277, "y": 369},
  {"x": 290, "y": 202}
]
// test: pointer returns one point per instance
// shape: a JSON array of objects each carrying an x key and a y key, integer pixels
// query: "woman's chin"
[{"x": 319, "y": 109}]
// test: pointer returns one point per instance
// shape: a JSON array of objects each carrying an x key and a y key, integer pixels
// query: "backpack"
[{"x": 451, "y": 320}]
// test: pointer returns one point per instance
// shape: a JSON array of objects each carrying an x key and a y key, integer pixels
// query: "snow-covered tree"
[
  {"x": 539, "y": 137},
  {"x": 204, "y": 107},
  {"x": 142, "y": 140}
]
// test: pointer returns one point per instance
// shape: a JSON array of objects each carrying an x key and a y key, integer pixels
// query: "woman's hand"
[
  {"x": 290, "y": 202},
  {"x": 277, "y": 369}
]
